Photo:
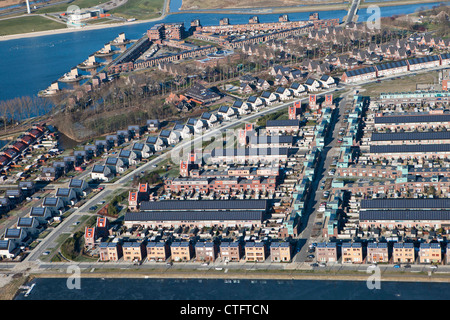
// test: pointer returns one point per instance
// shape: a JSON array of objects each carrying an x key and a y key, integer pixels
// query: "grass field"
[
  {"x": 63, "y": 7},
  {"x": 28, "y": 24},
  {"x": 139, "y": 9},
  {"x": 399, "y": 85}
]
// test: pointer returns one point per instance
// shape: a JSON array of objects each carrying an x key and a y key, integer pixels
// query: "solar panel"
[
  {"x": 12, "y": 233},
  {"x": 405, "y": 136},
  {"x": 50, "y": 201},
  {"x": 63, "y": 192},
  {"x": 416, "y": 148},
  {"x": 98, "y": 168},
  {"x": 138, "y": 146},
  {"x": 412, "y": 119},
  {"x": 76, "y": 183}
]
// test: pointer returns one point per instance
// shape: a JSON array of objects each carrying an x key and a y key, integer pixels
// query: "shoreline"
[
  {"x": 213, "y": 11},
  {"x": 254, "y": 275},
  {"x": 166, "y": 8},
  {"x": 306, "y": 8}
]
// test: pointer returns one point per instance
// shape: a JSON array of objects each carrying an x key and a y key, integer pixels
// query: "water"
[
  {"x": 31, "y": 64},
  {"x": 216, "y": 289}
]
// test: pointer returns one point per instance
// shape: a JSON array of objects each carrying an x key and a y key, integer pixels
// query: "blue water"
[
  {"x": 215, "y": 289},
  {"x": 29, "y": 65}
]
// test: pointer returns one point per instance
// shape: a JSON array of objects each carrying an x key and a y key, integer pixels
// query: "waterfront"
[
  {"x": 32, "y": 64},
  {"x": 231, "y": 289}
]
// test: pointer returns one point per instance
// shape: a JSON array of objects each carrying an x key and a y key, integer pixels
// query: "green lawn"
[
  {"x": 139, "y": 9},
  {"x": 63, "y": 7},
  {"x": 28, "y": 24}
]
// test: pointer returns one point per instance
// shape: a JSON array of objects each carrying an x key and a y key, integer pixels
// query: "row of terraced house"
[
  {"x": 382, "y": 252},
  {"x": 396, "y": 67},
  {"x": 178, "y": 251}
]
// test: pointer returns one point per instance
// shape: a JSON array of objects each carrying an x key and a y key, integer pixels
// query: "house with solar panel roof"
[
  {"x": 154, "y": 144},
  {"x": 16, "y": 196},
  {"x": 80, "y": 187},
  {"x": 430, "y": 253},
  {"x": 55, "y": 205},
  {"x": 227, "y": 113},
  {"x": 41, "y": 214},
  {"x": 18, "y": 236},
  {"x": 102, "y": 173},
  {"x": 8, "y": 249},
  {"x": 129, "y": 157},
  {"x": 143, "y": 150},
  {"x": 30, "y": 225},
  {"x": 67, "y": 195},
  {"x": 116, "y": 165}
]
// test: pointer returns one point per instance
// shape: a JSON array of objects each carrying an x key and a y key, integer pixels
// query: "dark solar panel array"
[
  {"x": 219, "y": 205},
  {"x": 414, "y": 148},
  {"x": 413, "y": 119},
  {"x": 411, "y": 204},
  {"x": 404, "y": 136},
  {"x": 358, "y": 72},
  {"x": 423, "y": 59}
]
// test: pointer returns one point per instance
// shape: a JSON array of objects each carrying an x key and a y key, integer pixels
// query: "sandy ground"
[
  {"x": 6, "y": 3},
  {"x": 230, "y": 4}
]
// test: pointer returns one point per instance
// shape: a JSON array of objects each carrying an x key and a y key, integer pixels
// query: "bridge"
[{"x": 351, "y": 15}]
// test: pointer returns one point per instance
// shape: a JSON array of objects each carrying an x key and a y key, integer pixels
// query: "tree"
[{"x": 112, "y": 210}]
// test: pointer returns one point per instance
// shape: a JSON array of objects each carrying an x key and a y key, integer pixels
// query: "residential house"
[
  {"x": 255, "y": 252},
  {"x": 280, "y": 252},
  {"x": 312, "y": 85},
  {"x": 100, "y": 172},
  {"x": 8, "y": 249},
  {"x": 352, "y": 252},
  {"x": 377, "y": 252},
  {"x": 231, "y": 251},
  {"x": 227, "y": 113},
  {"x": 67, "y": 195},
  {"x": 134, "y": 251},
  {"x": 327, "y": 252},
  {"x": 284, "y": 94},
  {"x": 210, "y": 118},
  {"x": 30, "y": 225},
  {"x": 206, "y": 251},
  {"x": 54, "y": 205},
  {"x": 129, "y": 157},
  {"x": 403, "y": 252},
  {"x": 298, "y": 89},
  {"x": 42, "y": 215},
  {"x": 430, "y": 253},
  {"x": 143, "y": 151},
  {"x": 79, "y": 186},
  {"x": 158, "y": 251},
  {"x": 110, "y": 251},
  {"x": 181, "y": 251}
]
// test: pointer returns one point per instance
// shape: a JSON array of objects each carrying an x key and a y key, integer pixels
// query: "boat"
[{"x": 28, "y": 288}]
